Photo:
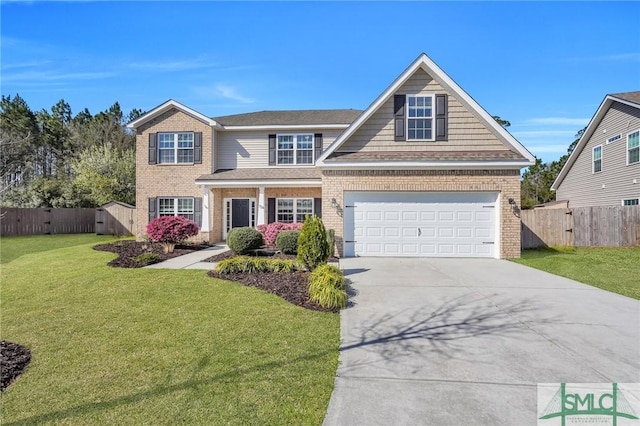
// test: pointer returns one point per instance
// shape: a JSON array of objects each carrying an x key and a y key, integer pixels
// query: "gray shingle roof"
[
  {"x": 628, "y": 96},
  {"x": 301, "y": 117},
  {"x": 265, "y": 174},
  {"x": 380, "y": 156}
]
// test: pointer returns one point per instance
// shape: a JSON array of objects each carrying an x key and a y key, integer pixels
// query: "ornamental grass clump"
[
  {"x": 249, "y": 265},
  {"x": 313, "y": 249},
  {"x": 171, "y": 230},
  {"x": 327, "y": 287}
]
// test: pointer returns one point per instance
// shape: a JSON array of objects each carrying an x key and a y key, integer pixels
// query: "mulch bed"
[
  {"x": 128, "y": 250},
  {"x": 291, "y": 286},
  {"x": 14, "y": 359}
]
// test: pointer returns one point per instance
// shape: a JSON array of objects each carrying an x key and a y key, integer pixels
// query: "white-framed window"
[
  {"x": 181, "y": 206},
  {"x": 631, "y": 202},
  {"x": 597, "y": 159},
  {"x": 633, "y": 147},
  {"x": 420, "y": 117},
  {"x": 175, "y": 148},
  {"x": 290, "y": 210},
  {"x": 295, "y": 149}
]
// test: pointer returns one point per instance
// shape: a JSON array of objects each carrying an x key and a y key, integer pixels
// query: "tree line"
[{"x": 52, "y": 158}]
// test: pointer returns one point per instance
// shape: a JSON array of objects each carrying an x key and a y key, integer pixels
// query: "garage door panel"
[{"x": 420, "y": 224}]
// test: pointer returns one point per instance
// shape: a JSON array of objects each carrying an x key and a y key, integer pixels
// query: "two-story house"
[
  {"x": 604, "y": 167},
  {"x": 423, "y": 171}
]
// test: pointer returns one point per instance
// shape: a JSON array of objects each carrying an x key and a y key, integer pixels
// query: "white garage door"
[{"x": 420, "y": 224}]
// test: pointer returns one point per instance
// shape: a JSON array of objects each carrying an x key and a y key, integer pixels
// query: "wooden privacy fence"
[
  {"x": 116, "y": 218},
  {"x": 602, "y": 226},
  {"x": 17, "y": 221}
]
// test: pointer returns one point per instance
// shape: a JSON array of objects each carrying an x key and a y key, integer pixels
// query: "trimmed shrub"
[
  {"x": 287, "y": 242},
  {"x": 171, "y": 230},
  {"x": 243, "y": 240},
  {"x": 313, "y": 250},
  {"x": 327, "y": 287},
  {"x": 271, "y": 231},
  {"x": 247, "y": 265}
]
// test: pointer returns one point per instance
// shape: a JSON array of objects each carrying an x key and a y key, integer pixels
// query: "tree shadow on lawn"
[
  {"x": 395, "y": 335},
  {"x": 192, "y": 383}
]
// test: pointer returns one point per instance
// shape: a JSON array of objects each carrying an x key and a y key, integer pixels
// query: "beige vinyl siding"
[
  {"x": 466, "y": 131},
  {"x": 239, "y": 149},
  {"x": 584, "y": 188}
]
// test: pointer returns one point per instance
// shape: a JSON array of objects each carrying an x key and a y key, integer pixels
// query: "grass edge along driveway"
[
  {"x": 148, "y": 346},
  {"x": 615, "y": 269}
]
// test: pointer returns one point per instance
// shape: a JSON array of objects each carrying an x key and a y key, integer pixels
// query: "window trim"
[
  {"x": 228, "y": 214},
  {"x": 432, "y": 118},
  {"x": 593, "y": 159},
  {"x": 295, "y": 149},
  {"x": 176, "y": 212},
  {"x": 628, "y": 150},
  {"x": 637, "y": 201},
  {"x": 295, "y": 207},
  {"x": 175, "y": 148}
]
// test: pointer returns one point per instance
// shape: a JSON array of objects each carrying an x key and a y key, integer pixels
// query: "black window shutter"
[
  {"x": 441, "y": 118},
  {"x": 272, "y": 150},
  {"x": 317, "y": 140},
  {"x": 153, "y": 149},
  {"x": 197, "y": 147},
  {"x": 197, "y": 211},
  {"x": 317, "y": 207},
  {"x": 271, "y": 210},
  {"x": 398, "y": 117},
  {"x": 152, "y": 208}
]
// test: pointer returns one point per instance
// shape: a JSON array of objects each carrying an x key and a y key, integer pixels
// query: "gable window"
[
  {"x": 633, "y": 147},
  {"x": 176, "y": 207},
  {"x": 631, "y": 202},
  {"x": 597, "y": 159},
  {"x": 419, "y": 117},
  {"x": 295, "y": 149},
  {"x": 290, "y": 210},
  {"x": 175, "y": 148}
]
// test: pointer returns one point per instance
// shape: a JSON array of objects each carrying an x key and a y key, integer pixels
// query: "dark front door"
[{"x": 239, "y": 213}]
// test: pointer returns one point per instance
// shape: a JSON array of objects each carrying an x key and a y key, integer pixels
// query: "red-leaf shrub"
[
  {"x": 171, "y": 230},
  {"x": 270, "y": 232}
]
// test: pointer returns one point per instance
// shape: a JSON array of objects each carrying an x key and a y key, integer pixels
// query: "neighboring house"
[
  {"x": 423, "y": 171},
  {"x": 604, "y": 167}
]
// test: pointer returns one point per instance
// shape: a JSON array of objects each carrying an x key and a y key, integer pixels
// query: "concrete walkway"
[
  {"x": 192, "y": 260},
  {"x": 466, "y": 341}
]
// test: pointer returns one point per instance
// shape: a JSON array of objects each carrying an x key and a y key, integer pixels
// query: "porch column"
[
  {"x": 205, "y": 209},
  {"x": 260, "y": 218}
]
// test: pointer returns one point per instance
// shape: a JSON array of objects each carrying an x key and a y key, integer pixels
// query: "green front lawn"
[
  {"x": 145, "y": 346},
  {"x": 615, "y": 269}
]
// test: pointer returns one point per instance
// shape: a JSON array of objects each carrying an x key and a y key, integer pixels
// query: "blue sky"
[{"x": 544, "y": 66}]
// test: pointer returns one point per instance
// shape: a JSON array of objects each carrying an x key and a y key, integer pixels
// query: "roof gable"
[
  {"x": 161, "y": 109},
  {"x": 628, "y": 98},
  {"x": 424, "y": 63}
]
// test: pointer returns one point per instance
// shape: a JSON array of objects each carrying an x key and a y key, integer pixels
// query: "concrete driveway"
[{"x": 465, "y": 341}]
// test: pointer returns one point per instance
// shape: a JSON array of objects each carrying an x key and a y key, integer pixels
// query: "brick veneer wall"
[
  {"x": 175, "y": 180},
  {"x": 507, "y": 182},
  {"x": 219, "y": 194}
]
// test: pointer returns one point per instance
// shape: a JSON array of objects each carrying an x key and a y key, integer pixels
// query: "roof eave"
[
  {"x": 287, "y": 127},
  {"x": 426, "y": 165},
  {"x": 166, "y": 106},
  {"x": 242, "y": 183}
]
